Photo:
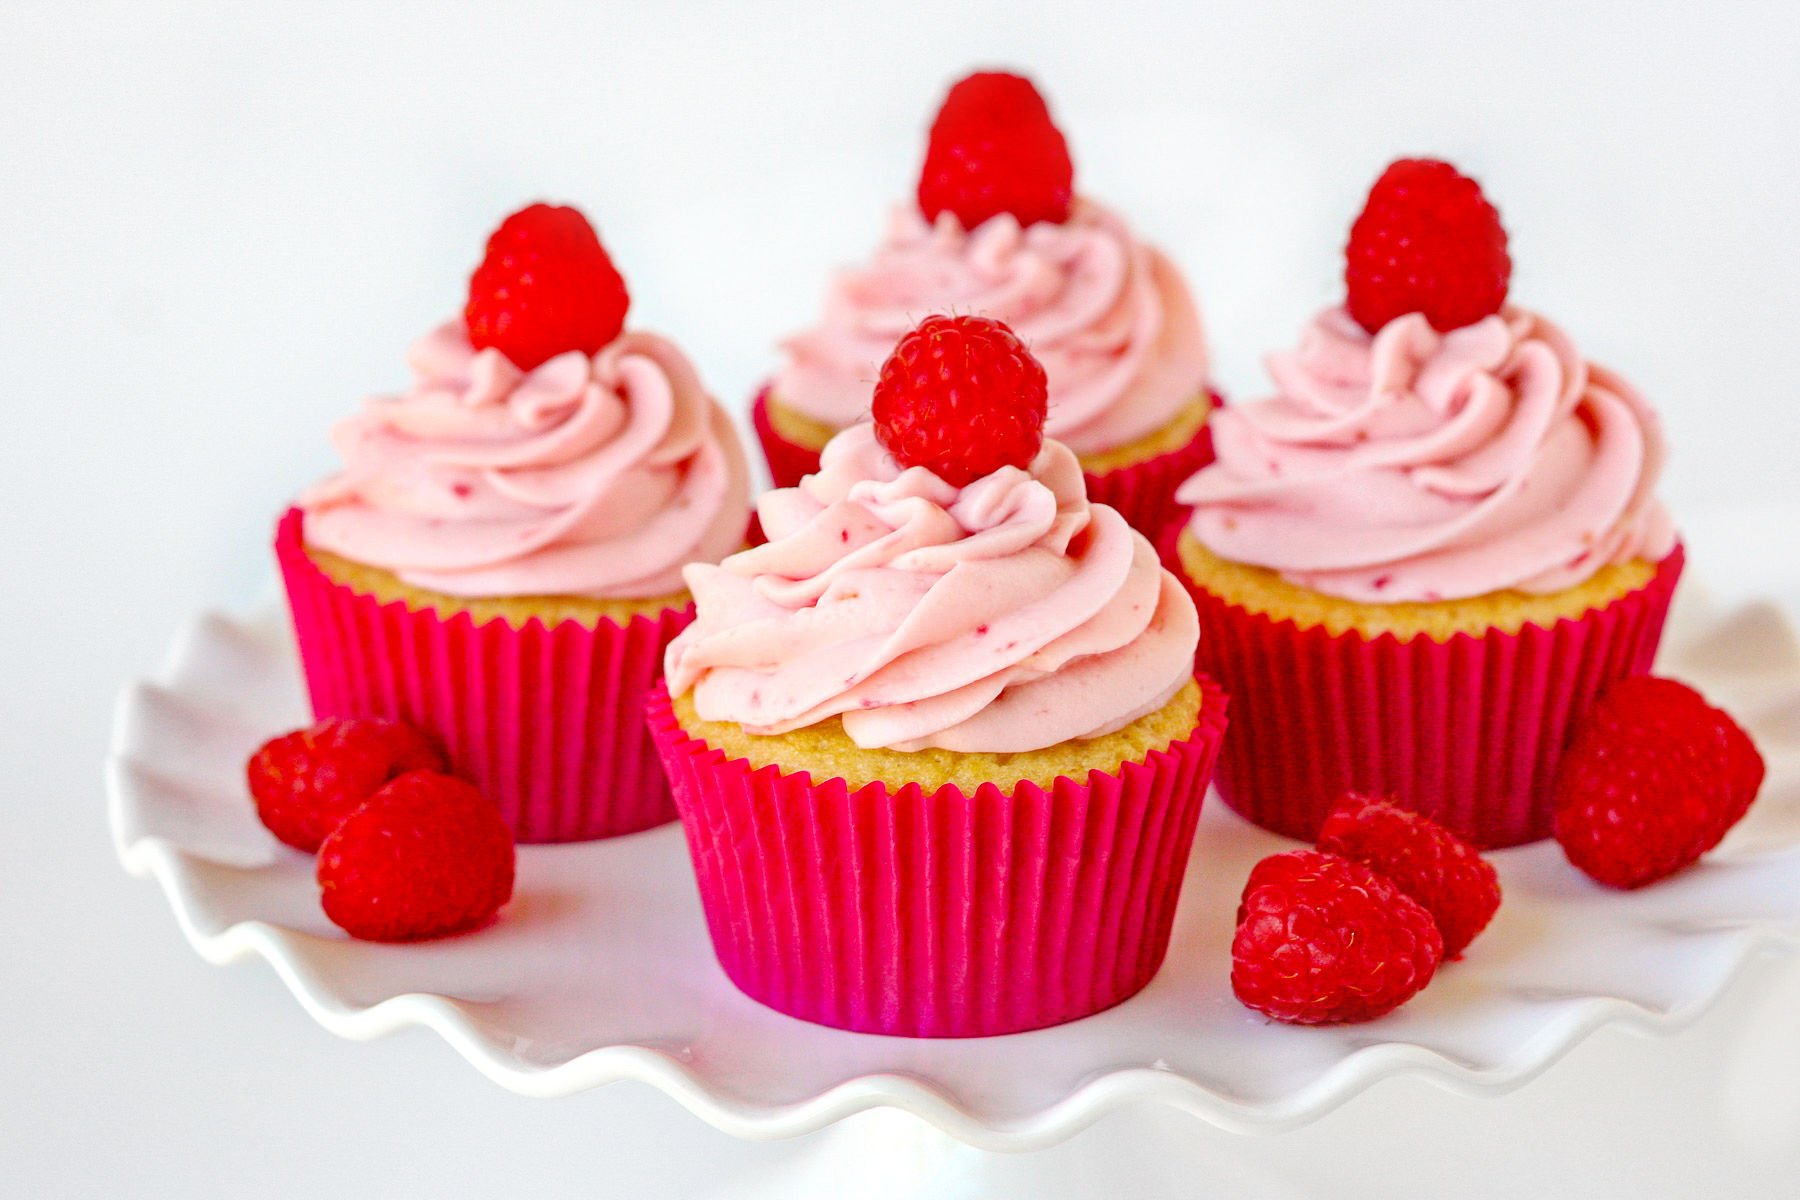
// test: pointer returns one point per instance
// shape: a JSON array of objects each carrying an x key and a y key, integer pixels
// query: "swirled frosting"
[
  {"x": 1416, "y": 466},
  {"x": 1004, "y": 616},
  {"x": 1107, "y": 315},
  {"x": 589, "y": 476}
]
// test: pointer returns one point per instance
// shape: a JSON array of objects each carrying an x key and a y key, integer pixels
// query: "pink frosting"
[
  {"x": 1004, "y": 616},
  {"x": 1415, "y": 465},
  {"x": 598, "y": 476},
  {"x": 1108, "y": 316}
]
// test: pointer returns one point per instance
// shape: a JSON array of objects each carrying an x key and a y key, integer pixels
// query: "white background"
[{"x": 223, "y": 223}]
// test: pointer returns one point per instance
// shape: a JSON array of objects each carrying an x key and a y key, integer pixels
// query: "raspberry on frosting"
[
  {"x": 961, "y": 397},
  {"x": 545, "y": 286},
  {"x": 1427, "y": 241},
  {"x": 995, "y": 149}
]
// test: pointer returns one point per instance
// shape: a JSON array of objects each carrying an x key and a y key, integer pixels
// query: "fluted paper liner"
[
  {"x": 943, "y": 914},
  {"x": 789, "y": 462},
  {"x": 1143, "y": 492},
  {"x": 1468, "y": 731},
  {"x": 547, "y": 721}
]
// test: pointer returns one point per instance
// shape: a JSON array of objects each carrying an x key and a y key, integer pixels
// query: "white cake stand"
[{"x": 600, "y": 969}]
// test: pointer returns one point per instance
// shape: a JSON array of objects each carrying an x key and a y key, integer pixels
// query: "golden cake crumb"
[
  {"x": 796, "y": 427},
  {"x": 517, "y": 611},
  {"x": 1260, "y": 590},
  {"x": 1170, "y": 437},
  {"x": 826, "y": 750}
]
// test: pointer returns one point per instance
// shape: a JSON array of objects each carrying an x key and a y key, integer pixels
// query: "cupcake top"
[
  {"x": 562, "y": 457},
  {"x": 1107, "y": 315},
  {"x": 999, "y": 615},
  {"x": 1414, "y": 465},
  {"x": 1421, "y": 449},
  {"x": 997, "y": 232}
]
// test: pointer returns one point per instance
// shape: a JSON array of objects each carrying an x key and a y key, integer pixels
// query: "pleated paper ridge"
[
  {"x": 939, "y": 914},
  {"x": 548, "y": 721},
  {"x": 1144, "y": 492},
  {"x": 1468, "y": 731},
  {"x": 789, "y": 462}
]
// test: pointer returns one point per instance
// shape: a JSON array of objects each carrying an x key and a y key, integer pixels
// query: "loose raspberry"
[
  {"x": 1323, "y": 940},
  {"x": 427, "y": 856},
  {"x": 546, "y": 286},
  {"x": 994, "y": 148},
  {"x": 962, "y": 397},
  {"x": 1423, "y": 859},
  {"x": 306, "y": 782},
  {"x": 1429, "y": 242},
  {"x": 1654, "y": 778}
]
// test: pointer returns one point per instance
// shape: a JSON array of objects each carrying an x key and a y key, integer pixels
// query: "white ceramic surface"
[{"x": 600, "y": 969}]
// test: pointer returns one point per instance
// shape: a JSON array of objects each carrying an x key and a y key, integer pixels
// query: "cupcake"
[
  {"x": 1419, "y": 562},
  {"x": 499, "y": 562},
  {"x": 998, "y": 231},
  {"x": 938, "y": 746}
]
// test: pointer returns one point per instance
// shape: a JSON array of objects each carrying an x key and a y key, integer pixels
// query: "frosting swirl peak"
[
  {"x": 1000, "y": 617},
  {"x": 1413, "y": 465},
  {"x": 588, "y": 476},
  {"x": 1107, "y": 315}
]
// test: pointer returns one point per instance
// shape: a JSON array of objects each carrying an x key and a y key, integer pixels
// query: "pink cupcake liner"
[
  {"x": 548, "y": 721},
  {"x": 789, "y": 462},
  {"x": 939, "y": 914},
  {"x": 1144, "y": 492},
  {"x": 1468, "y": 731}
]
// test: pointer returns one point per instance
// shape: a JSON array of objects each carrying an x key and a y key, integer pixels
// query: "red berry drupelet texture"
[
  {"x": 306, "y": 782},
  {"x": 961, "y": 397},
  {"x": 1427, "y": 241},
  {"x": 995, "y": 149},
  {"x": 546, "y": 286},
  {"x": 1458, "y": 887},
  {"x": 1654, "y": 779},
  {"x": 427, "y": 856},
  {"x": 1324, "y": 940}
]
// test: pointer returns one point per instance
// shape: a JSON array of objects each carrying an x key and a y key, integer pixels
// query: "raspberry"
[
  {"x": 962, "y": 397},
  {"x": 1423, "y": 859},
  {"x": 1427, "y": 241},
  {"x": 546, "y": 286},
  {"x": 1653, "y": 779},
  {"x": 427, "y": 856},
  {"x": 1323, "y": 940},
  {"x": 306, "y": 782},
  {"x": 995, "y": 149}
]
